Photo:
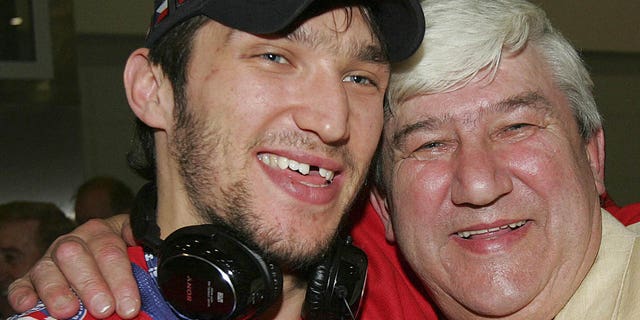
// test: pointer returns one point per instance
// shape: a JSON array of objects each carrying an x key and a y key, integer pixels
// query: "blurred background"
[{"x": 64, "y": 117}]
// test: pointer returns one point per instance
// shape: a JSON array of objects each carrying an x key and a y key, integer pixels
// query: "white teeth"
[
  {"x": 468, "y": 234},
  {"x": 517, "y": 224},
  {"x": 327, "y": 174},
  {"x": 275, "y": 161},
  {"x": 294, "y": 165},
  {"x": 283, "y": 163},
  {"x": 304, "y": 168}
]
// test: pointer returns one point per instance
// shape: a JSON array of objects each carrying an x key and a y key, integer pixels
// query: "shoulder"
[{"x": 634, "y": 227}]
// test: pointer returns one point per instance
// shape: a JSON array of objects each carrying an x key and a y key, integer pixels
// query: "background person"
[
  {"x": 27, "y": 228},
  {"x": 102, "y": 197}
]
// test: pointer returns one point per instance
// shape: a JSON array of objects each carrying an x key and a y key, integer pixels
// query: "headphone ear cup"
[
  {"x": 336, "y": 286},
  {"x": 206, "y": 273}
]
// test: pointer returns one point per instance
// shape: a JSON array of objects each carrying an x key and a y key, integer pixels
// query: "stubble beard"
[{"x": 195, "y": 145}]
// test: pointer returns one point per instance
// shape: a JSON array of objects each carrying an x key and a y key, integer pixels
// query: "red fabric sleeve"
[
  {"x": 390, "y": 292},
  {"x": 628, "y": 214}
]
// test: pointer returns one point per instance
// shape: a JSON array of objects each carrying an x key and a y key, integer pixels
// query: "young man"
[
  {"x": 259, "y": 116},
  {"x": 492, "y": 168}
]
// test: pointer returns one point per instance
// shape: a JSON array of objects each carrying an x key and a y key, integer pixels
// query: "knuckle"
[
  {"x": 109, "y": 239},
  {"x": 95, "y": 225},
  {"x": 67, "y": 248},
  {"x": 40, "y": 276},
  {"x": 110, "y": 252},
  {"x": 108, "y": 246},
  {"x": 41, "y": 268},
  {"x": 18, "y": 284},
  {"x": 90, "y": 283}
]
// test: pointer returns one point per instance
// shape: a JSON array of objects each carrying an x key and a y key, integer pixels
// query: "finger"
[
  {"x": 77, "y": 264},
  {"x": 52, "y": 288},
  {"x": 110, "y": 259},
  {"x": 120, "y": 224},
  {"x": 110, "y": 254},
  {"x": 127, "y": 233},
  {"x": 21, "y": 295}
]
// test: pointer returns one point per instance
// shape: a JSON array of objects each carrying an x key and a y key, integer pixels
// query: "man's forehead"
[
  {"x": 349, "y": 36},
  {"x": 340, "y": 33},
  {"x": 422, "y": 114}
]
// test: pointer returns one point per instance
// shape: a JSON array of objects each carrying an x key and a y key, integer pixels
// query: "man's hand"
[{"x": 92, "y": 261}]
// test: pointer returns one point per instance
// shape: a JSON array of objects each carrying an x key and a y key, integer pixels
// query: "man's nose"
[
  {"x": 325, "y": 109},
  {"x": 480, "y": 176}
]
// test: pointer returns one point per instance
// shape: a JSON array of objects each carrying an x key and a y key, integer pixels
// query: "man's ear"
[
  {"x": 379, "y": 203},
  {"x": 149, "y": 93},
  {"x": 596, "y": 157}
]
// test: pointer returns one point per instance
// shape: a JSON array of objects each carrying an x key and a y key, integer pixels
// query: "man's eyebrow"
[
  {"x": 530, "y": 99},
  {"x": 361, "y": 49},
  {"x": 430, "y": 123}
]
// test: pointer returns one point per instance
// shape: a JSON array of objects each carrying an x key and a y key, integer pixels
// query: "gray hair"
[{"x": 466, "y": 38}]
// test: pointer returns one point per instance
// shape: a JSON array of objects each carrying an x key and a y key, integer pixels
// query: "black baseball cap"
[{"x": 401, "y": 22}]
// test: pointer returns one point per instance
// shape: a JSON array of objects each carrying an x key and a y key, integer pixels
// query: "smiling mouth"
[
  {"x": 283, "y": 163},
  {"x": 470, "y": 233}
]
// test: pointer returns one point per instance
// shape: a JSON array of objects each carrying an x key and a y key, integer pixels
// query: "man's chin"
[
  {"x": 300, "y": 262},
  {"x": 302, "y": 258}
]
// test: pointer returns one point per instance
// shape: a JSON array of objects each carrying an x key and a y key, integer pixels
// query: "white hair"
[{"x": 466, "y": 38}]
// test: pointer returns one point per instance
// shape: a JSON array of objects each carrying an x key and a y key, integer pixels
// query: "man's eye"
[
  {"x": 431, "y": 145},
  {"x": 9, "y": 258},
  {"x": 274, "y": 57},
  {"x": 432, "y": 150},
  {"x": 516, "y": 131},
  {"x": 359, "y": 80},
  {"x": 517, "y": 126}
]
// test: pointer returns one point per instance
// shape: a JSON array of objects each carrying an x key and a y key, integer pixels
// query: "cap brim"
[
  {"x": 258, "y": 17},
  {"x": 401, "y": 22},
  {"x": 402, "y": 26}
]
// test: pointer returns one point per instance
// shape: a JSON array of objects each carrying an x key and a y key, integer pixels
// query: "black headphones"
[{"x": 204, "y": 272}]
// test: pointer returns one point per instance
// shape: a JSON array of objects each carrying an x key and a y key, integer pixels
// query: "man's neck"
[{"x": 290, "y": 306}]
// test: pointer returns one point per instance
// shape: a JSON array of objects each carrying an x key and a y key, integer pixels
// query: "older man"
[{"x": 491, "y": 170}]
